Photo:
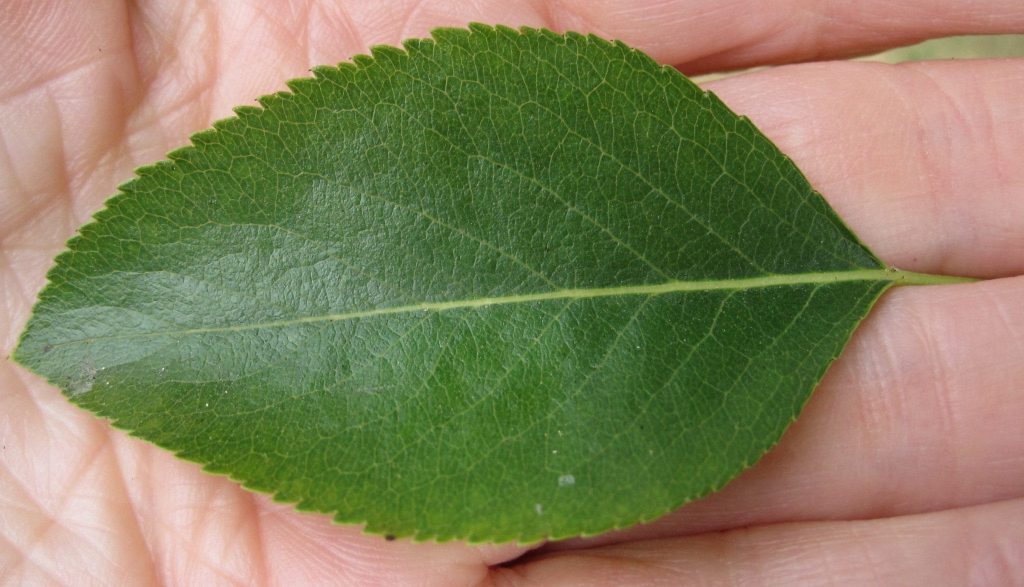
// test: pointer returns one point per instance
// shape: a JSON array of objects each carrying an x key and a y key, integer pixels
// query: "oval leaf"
[{"x": 499, "y": 285}]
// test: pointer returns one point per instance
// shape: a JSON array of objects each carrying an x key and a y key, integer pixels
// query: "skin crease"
[{"x": 907, "y": 466}]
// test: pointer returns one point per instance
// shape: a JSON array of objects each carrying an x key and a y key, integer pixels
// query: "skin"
[{"x": 906, "y": 467}]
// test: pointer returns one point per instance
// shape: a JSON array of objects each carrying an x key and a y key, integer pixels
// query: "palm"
[{"x": 922, "y": 415}]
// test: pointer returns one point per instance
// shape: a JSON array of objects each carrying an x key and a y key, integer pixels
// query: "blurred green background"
[{"x": 966, "y": 47}]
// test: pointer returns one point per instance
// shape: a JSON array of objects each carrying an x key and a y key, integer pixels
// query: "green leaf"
[{"x": 501, "y": 285}]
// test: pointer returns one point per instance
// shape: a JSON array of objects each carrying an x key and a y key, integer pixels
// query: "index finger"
[
  {"x": 707, "y": 35},
  {"x": 921, "y": 160}
]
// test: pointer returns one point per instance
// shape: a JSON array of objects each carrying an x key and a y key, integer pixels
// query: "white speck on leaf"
[
  {"x": 83, "y": 380},
  {"x": 566, "y": 481},
  {"x": 539, "y": 508}
]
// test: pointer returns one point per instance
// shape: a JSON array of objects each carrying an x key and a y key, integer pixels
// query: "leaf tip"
[
  {"x": 323, "y": 71},
  {"x": 246, "y": 111},
  {"x": 387, "y": 53},
  {"x": 271, "y": 101},
  {"x": 416, "y": 46},
  {"x": 481, "y": 27},
  {"x": 454, "y": 34},
  {"x": 362, "y": 60},
  {"x": 301, "y": 86},
  {"x": 339, "y": 73},
  {"x": 173, "y": 155}
]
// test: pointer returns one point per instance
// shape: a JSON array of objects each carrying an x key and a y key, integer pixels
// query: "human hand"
[{"x": 907, "y": 466}]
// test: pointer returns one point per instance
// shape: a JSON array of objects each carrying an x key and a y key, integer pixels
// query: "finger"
[
  {"x": 921, "y": 413},
  {"x": 310, "y": 550},
  {"x": 921, "y": 160},
  {"x": 707, "y": 35},
  {"x": 199, "y": 526},
  {"x": 982, "y": 545}
]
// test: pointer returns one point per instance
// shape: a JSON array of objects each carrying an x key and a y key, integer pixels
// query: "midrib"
[{"x": 894, "y": 276}]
